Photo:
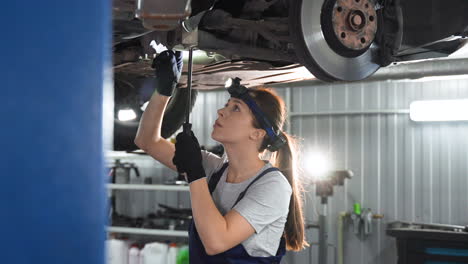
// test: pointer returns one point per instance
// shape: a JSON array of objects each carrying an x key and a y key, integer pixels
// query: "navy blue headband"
[{"x": 277, "y": 139}]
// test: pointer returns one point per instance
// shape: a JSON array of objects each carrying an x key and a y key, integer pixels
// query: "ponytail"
[{"x": 285, "y": 160}]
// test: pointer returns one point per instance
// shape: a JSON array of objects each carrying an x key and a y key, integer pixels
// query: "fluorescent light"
[
  {"x": 316, "y": 165},
  {"x": 442, "y": 78},
  {"x": 228, "y": 83},
  {"x": 126, "y": 115},
  {"x": 439, "y": 110}
]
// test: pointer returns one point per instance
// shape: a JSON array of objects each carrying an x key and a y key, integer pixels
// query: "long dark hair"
[{"x": 274, "y": 108}]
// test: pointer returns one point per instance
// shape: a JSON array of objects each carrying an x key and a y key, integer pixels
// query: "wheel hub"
[
  {"x": 317, "y": 45},
  {"x": 354, "y": 23}
]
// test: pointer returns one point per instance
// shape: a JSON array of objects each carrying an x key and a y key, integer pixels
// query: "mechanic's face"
[{"x": 235, "y": 123}]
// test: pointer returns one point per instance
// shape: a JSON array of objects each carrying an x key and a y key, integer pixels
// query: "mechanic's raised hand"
[
  {"x": 168, "y": 67},
  {"x": 188, "y": 157}
]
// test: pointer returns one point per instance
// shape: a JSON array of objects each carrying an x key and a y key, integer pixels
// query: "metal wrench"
[{"x": 187, "y": 126}]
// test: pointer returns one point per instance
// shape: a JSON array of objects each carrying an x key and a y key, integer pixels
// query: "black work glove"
[
  {"x": 168, "y": 68},
  {"x": 188, "y": 158}
]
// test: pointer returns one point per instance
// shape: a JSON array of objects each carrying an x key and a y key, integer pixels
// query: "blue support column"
[{"x": 52, "y": 196}]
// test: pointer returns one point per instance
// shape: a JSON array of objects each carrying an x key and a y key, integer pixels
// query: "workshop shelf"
[
  {"x": 153, "y": 187},
  {"x": 143, "y": 231}
]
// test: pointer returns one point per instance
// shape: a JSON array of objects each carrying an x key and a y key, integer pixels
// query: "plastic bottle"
[
  {"x": 134, "y": 255},
  {"x": 122, "y": 176},
  {"x": 172, "y": 254},
  {"x": 117, "y": 251},
  {"x": 136, "y": 199},
  {"x": 155, "y": 253},
  {"x": 183, "y": 255}
]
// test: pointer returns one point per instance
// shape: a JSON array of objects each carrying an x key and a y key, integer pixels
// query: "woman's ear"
[{"x": 257, "y": 133}]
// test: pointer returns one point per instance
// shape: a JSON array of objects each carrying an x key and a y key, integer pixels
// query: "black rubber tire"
[{"x": 174, "y": 117}]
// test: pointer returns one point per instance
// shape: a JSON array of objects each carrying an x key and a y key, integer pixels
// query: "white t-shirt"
[{"x": 265, "y": 205}]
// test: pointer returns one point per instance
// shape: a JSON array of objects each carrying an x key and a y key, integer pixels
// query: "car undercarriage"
[
  {"x": 267, "y": 42},
  {"x": 335, "y": 39}
]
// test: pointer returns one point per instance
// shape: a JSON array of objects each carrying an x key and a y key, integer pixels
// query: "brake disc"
[{"x": 334, "y": 39}]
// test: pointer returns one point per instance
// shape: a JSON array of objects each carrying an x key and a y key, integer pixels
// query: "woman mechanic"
[{"x": 245, "y": 210}]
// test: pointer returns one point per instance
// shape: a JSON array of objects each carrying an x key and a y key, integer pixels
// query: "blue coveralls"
[{"x": 237, "y": 254}]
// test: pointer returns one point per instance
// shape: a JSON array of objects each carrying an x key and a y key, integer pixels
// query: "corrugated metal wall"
[{"x": 405, "y": 170}]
